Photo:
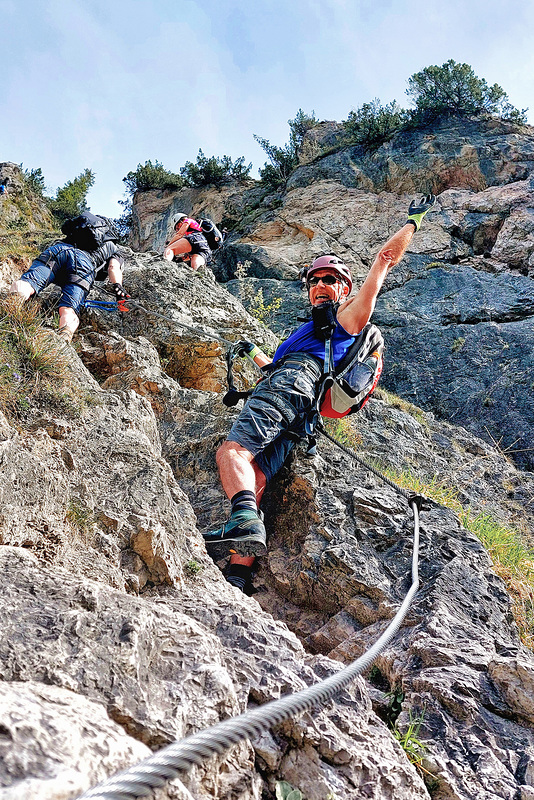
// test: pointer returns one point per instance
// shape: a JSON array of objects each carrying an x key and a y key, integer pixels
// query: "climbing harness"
[{"x": 163, "y": 766}]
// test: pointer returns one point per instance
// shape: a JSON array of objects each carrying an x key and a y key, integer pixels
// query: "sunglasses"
[{"x": 328, "y": 280}]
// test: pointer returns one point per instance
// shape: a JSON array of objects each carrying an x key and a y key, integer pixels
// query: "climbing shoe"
[
  {"x": 418, "y": 210},
  {"x": 243, "y": 533}
]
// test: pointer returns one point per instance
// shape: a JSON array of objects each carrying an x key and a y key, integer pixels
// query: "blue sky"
[{"x": 108, "y": 84}]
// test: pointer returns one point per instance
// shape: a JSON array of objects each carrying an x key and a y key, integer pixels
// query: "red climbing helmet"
[{"x": 332, "y": 263}]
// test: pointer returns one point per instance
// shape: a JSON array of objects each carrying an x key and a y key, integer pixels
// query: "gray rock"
[
  {"x": 458, "y": 343},
  {"x": 465, "y": 153},
  {"x": 55, "y": 743},
  {"x": 108, "y": 595},
  {"x": 122, "y": 653}
]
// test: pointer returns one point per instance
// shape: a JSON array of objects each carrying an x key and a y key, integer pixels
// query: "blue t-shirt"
[{"x": 304, "y": 340}]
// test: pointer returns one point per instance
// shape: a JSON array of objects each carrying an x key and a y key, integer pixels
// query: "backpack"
[
  {"x": 213, "y": 235},
  {"x": 348, "y": 386},
  {"x": 89, "y": 231},
  {"x": 344, "y": 389}
]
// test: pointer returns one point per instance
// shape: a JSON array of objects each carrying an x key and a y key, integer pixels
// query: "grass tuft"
[
  {"x": 193, "y": 568},
  {"x": 512, "y": 557},
  {"x": 34, "y": 368},
  {"x": 409, "y": 739},
  {"x": 80, "y": 516}
]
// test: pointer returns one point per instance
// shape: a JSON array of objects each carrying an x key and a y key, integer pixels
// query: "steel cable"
[
  {"x": 180, "y": 324},
  {"x": 140, "y": 780},
  {"x": 111, "y": 306},
  {"x": 168, "y": 763},
  {"x": 404, "y": 492}
]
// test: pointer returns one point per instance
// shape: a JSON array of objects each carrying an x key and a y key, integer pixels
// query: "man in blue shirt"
[{"x": 282, "y": 405}]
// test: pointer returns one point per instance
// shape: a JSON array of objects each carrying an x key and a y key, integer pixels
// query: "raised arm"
[
  {"x": 179, "y": 233},
  {"x": 356, "y": 312}
]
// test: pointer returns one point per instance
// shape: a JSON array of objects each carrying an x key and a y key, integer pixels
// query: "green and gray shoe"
[{"x": 243, "y": 533}]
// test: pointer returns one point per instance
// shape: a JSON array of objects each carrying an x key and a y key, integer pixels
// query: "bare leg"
[
  {"x": 197, "y": 261},
  {"x": 176, "y": 249},
  {"x": 68, "y": 322},
  {"x": 238, "y": 470}
]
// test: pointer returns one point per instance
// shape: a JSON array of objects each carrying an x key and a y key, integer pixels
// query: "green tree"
[
  {"x": 124, "y": 223},
  {"x": 283, "y": 160},
  {"x": 454, "y": 90},
  {"x": 282, "y": 163},
  {"x": 71, "y": 199},
  {"x": 151, "y": 176},
  {"x": 215, "y": 171},
  {"x": 299, "y": 126},
  {"x": 373, "y": 124},
  {"x": 34, "y": 180}
]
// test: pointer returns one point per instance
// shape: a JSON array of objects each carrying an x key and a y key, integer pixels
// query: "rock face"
[
  {"x": 470, "y": 251},
  {"x": 466, "y": 153},
  {"x": 20, "y": 208},
  {"x": 121, "y": 635},
  {"x": 153, "y": 210},
  {"x": 476, "y": 331}
]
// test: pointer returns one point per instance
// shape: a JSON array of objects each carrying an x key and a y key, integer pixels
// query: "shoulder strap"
[{"x": 367, "y": 341}]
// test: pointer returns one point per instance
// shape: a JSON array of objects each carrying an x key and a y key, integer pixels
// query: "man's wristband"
[{"x": 253, "y": 353}]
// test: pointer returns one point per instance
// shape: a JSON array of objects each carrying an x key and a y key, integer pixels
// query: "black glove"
[
  {"x": 244, "y": 348},
  {"x": 324, "y": 319},
  {"x": 247, "y": 349},
  {"x": 119, "y": 292},
  {"x": 418, "y": 210}
]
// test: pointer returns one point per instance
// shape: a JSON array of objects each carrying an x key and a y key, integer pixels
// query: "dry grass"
[
  {"x": 511, "y": 555},
  {"x": 22, "y": 246},
  {"x": 34, "y": 367},
  {"x": 343, "y": 430},
  {"x": 395, "y": 401}
]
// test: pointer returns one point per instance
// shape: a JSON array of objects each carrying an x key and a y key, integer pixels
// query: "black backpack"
[
  {"x": 89, "y": 231},
  {"x": 213, "y": 235}
]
